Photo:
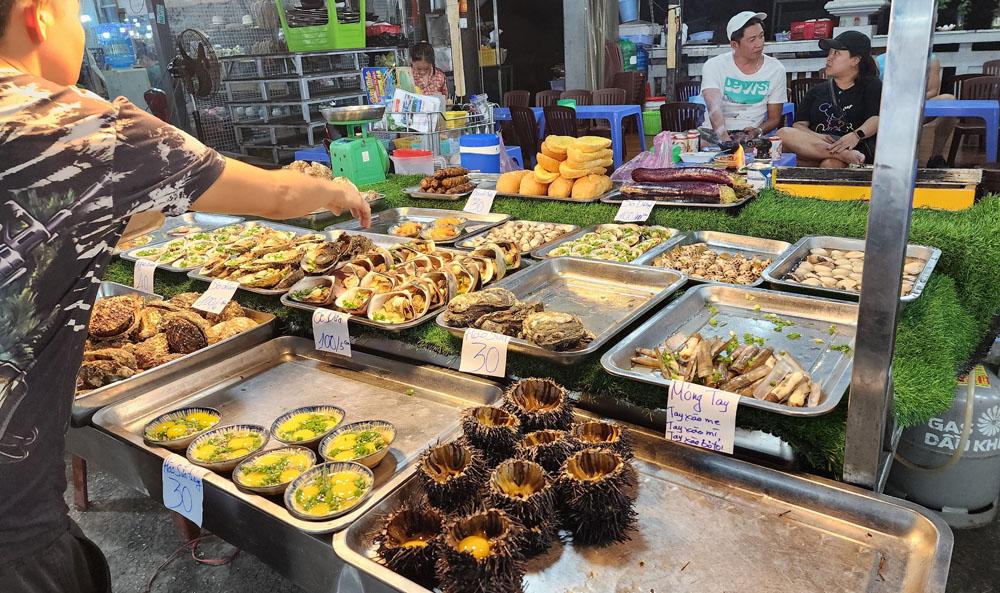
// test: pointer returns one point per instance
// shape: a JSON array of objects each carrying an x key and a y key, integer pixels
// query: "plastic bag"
[
  {"x": 661, "y": 157},
  {"x": 507, "y": 164}
]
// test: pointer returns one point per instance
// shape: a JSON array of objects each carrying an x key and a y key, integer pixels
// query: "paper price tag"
[
  {"x": 218, "y": 295},
  {"x": 142, "y": 275},
  {"x": 484, "y": 353},
  {"x": 634, "y": 210},
  {"x": 701, "y": 416},
  {"x": 183, "y": 491},
  {"x": 330, "y": 331},
  {"x": 480, "y": 201}
]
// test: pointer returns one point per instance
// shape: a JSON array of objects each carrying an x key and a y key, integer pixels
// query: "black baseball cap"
[{"x": 853, "y": 41}]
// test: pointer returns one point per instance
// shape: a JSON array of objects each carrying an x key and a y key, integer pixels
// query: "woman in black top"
[{"x": 837, "y": 121}]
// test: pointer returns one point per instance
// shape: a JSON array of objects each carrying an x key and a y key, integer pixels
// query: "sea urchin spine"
[
  {"x": 493, "y": 431},
  {"x": 548, "y": 448},
  {"x": 480, "y": 553},
  {"x": 409, "y": 543},
  {"x": 597, "y": 490},
  {"x": 452, "y": 475}
]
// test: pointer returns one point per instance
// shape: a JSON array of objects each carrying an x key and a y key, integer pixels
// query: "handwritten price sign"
[
  {"x": 330, "y": 331},
  {"x": 142, "y": 275},
  {"x": 481, "y": 201},
  {"x": 701, "y": 416},
  {"x": 183, "y": 491},
  {"x": 484, "y": 353},
  {"x": 634, "y": 210},
  {"x": 218, "y": 295}
]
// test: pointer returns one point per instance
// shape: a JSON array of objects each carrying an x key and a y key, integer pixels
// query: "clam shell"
[
  {"x": 310, "y": 283},
  {"x": 379, "y": 300},
  {"x": 443, "y": 279},
  {"x": 466, "y": 274},
  {"x": 380, "y": 283},
  {"x": 350, "y": 294}
]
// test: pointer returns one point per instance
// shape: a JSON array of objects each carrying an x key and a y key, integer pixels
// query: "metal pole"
[{"x": 911, "y": 30}]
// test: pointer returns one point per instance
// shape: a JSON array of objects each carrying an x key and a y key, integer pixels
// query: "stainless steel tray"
[
  {"x": 204, "y": 220},
  {"x": 129, "y": 255},
  {"x": 618, "y": 200},
  {"x": 571, "y": 229},
  {"x": 708, "y": 522},
  {"x": 112, "y": 289},
  {"x": 543, "y": 251},
  {"x": 320, "y": 216},
  {"x": 414, "y": 192},
  {"x": 723, "y": 243},
  {"x": 423, "y": 402},
  {"x": 489, "y": 181},
  {"x": 737, "y": 312},
  {"x": 384, "y": 220},
  {"x": 86, "y": 404},
  {"x": 775, "y": 273},
  {"x": 606, "y": 296},
  {"x": 380, "y": 240}
]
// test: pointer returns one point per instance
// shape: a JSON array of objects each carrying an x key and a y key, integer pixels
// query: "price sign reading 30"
[
  {"x": 183, "y": 491},
  {"x": 484, "y": 353}
]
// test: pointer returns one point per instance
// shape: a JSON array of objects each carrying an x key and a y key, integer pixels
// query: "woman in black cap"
[{"x": 836, "y": 123}]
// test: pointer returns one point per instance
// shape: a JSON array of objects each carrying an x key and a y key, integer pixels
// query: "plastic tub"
[
  {"x": 413, "y": 162},
  {"x": 456, "y": 119},
  {"x": 651, "y": 123}
]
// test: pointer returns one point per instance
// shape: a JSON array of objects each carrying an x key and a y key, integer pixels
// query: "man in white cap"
[{"x": 744, "y": 90}]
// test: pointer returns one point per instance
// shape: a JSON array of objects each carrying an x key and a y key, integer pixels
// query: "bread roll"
[
  {"x": 555, "y": 156},
  {"x": 532, "y": 187},
  {"x": 582, "y": 156},
  {"x": 591, "y": 143},
  {"x": 548, "y": 163},
  {"x": 544, "y": 176},
  {"x": 509, "y": 183},
  {"x": 589, "y": 164},
  {"x": 561, "y": 188},
  {"x": 570, "y": 172},
  {"x": 591, "y": 186}
]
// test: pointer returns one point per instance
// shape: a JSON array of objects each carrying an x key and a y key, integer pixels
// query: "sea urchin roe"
[
  {"x": 355, "y": 444},
  {"x": 477, "y": 545},
  {"x": 307, "y": 426},
  {"x": 271, "y": 469},
  {"x": 414, "y": 543},
  {"x": 329, "y": 493},
  {"x": 224, "y": 447},
  {"x": 177, "y": 428}
]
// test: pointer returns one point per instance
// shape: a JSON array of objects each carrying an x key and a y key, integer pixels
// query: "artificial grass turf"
[{"x": 936, "y": 333}]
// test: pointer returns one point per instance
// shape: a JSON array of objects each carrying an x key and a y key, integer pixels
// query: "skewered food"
[
  {"x": 750, "y": 369},
  {"x": 698, "y": 261},
  {"x": 450, "y": 180},
  {"x": 525, "y": 234},
  {"x": 842, "y": 270},
  {"x": 127, "y": 335},
  {"x": 614, "y": 242}
]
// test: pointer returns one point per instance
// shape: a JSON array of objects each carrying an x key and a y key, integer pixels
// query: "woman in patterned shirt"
[{"x": 429, "y": 78}]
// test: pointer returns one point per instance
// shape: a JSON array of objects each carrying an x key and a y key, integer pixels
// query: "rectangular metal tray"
[
  {"x": 384, "y": 220},
  {"x": 736, "y": 204},
  {"x": 543, "y": 251},
  {"x": 724, "y": 243},
  {"x": 423, "y": 402},
  {"x": 606, "y": 296},
  {"x": 464, "y": 243},
  {"x": 128, "y": 255},
  {"x": 489, "y": 181},
  {"x": 414, "y": 192},
  {"x": 709, "y": 522},
  {"x": 85, "y": 405},
  {"x": 736, "y": 312},
  {"x": 204, "y": 220},
  {"x": 380, "y": 240},
  {"x": 775, "y": 273}
]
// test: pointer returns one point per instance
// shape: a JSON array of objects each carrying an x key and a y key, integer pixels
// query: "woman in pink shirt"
[{"x": 429, "y": 78}]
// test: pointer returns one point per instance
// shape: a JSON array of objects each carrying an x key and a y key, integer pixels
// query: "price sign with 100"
[
  {"x": 330, "y": 331},
  {"x": 218, "y": 295},
  {"x": 481, "y": 201},
  {"x": 484, "y": 353},
  {"x": 634, "y": 210}
]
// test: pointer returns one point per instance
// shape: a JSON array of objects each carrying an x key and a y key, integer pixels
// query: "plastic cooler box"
[{"x": 480, "y": 152}]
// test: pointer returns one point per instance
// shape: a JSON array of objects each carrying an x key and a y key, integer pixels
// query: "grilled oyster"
[
  {"x": 115, "y": 316},
  {"x": 149, "y": 323},
  {"x": 149, "y": 353},
  {"x": 101, "y": 367},
  {"x": 557, "y": 331},
  {"x": 358, "y": 246},
  {"x": 232, "y": 310},
  {"x": 464, "y": 309},
  {"x": 320, "y": 257},
  {"x": 186, "y": 331},
  {"x": 184, "y": 300},
  {"x": 266, "y": 278},
  {"x": 290, "y": 279},
  {"x": 229, "y": 328},
  {"x": 509, "y": 321}
]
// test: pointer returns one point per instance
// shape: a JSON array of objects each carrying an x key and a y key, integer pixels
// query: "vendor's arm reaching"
[
  {"x": 713, "y": 102},
  {"x": 279, "y": 194}
]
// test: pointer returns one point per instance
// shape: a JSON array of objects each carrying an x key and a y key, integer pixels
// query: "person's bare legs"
[
  {"x": 813, "y": 146},
  {"x": 941, "y": 129},
  {"x": 832, "y": 163}
]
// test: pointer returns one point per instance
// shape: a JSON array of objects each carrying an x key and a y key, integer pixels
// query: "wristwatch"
[{"x": 860, "y": 133}]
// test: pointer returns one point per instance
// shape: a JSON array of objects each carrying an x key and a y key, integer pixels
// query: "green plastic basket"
[{"x": 332, "y": 35}]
